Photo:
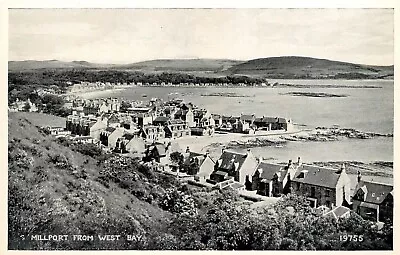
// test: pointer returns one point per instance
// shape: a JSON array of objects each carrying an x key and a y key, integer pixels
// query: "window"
[
  {"x": 312, "y": 191},
  {"x": 327, "y": 193},
  {"x": 328, "y": 204}
]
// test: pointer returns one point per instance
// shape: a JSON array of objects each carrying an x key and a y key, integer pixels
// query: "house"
[
  {"x": 207, "y": 121},
  {"x": 130, "y": 143},
  {"x": 176, "y": 128},
  {"x": 110, "y": 136},
  {"x": 201, "y": 131},
  {"x": 373, "y": 201},
  {"x": 198, "y": 164},
  {"x": 217, "y": 120},
  {"x": 273, "y": 123},
  {"x": 186, "y": 115},
  {"x": 322, "y": 186},
  {"x": 249, "y": 119},
  {"x": 95, "y": 128},
  {"x": 157, "y": 152},
  {"x": 151, "y": 132},
  {"x": 160, "y": 121},
  {"x": 271, "y": 179},
  {"x": 240, "y": 166},
  {"x": 23, "y": 106},
  {"x": 201, "y": 117}
]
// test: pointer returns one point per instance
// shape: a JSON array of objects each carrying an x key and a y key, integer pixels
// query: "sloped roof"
[
  {"x": 161, "y": 119},
  {"x": 338, "y": 212},
  {"x": 229, "y": 158},
  {"x": 247, "y": 117},
  {"x": 128, "y": 136},
  {"x": 110, "y": 129},
  {"x": 216, "y": 116},
  {"x": 267, "y": 170},
  {"x": 189, "y": 156},
  {"x": 375, "y": 192},
  {"x": 161, "y": 149},
  {"x": 318, "y": 176}
]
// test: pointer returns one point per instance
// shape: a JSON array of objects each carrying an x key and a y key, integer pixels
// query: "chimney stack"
[
  {"x": 358, "y": 176},
  {"x": 290, "y": 163},
  {"x": 187, "y": 149},
  {"x": 299, "y": 161}
]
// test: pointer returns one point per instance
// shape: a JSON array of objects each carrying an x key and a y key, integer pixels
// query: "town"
[{"x": 151, "y": 131}]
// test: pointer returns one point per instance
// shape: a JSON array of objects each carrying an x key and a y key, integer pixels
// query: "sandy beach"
[{"x": 90, "y": 94}]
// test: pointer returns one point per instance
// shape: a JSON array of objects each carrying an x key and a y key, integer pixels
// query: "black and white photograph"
[{"x": 224, "y": 129}]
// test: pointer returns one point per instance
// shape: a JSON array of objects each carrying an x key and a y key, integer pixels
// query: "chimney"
[
  {"x": 187, "y": 149},
  {"x": 358, "y": 176},
  {"x": 223, "y": 149},
  {"x": 299, "y": 161},
  {"x": 248, "y": 151},
  {"x": 260, "y": 159},
  {"x": 290, "y": 163}
]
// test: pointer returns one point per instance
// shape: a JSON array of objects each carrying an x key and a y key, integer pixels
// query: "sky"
[{"x": 364, "y": 36}]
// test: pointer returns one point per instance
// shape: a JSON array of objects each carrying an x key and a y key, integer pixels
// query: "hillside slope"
[
  {"x": 182, "y": 65},
  {"x": 56, "y": 190},
  {"x": 303, "y": 67},
  {"x": 27, "y": 65}
]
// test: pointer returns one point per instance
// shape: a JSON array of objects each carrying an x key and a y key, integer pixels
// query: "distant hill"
[
  {"x": 182, "y": 65},
  {"x": 51, "y": 64},
  {"x": 301, "y": 67},
  {"x": 291, "y": 67}
]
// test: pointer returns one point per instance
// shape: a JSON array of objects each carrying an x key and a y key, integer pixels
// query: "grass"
[
  {"x": 54, "y": 190},
  {"x": 38, "y": 119}
]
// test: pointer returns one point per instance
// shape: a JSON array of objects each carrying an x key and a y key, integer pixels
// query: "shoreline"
[{"x": 90, "y": 94}]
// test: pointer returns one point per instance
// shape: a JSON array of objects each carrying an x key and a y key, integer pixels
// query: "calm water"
[{"x": 366, "y": 109}]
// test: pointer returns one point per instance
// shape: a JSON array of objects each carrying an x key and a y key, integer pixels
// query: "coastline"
[{"x": 90, "y": 94}]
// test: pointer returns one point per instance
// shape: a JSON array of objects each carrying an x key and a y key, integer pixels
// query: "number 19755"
[{"x": 351, "y": 238}]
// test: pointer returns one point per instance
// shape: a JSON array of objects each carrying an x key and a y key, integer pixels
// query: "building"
[
  {"x": 240, "y": 166},
  {"x": 130, "y": 143},
  {"x": 271, "y": 179},
  {"x": 322, "y": 186},
  {"x": 110, "y": 136},
  {"x": 198, "y": 164},
  {"x": 23, "y": 106},
  {"x": 176, "y": 129},
  {"x": 156, "y": 152},
  {"x": 153, "y": 133},
  {"x": 373, "y": 201},
  {"x": 217, "y": 120},
  {"x": 249, "y": 119},
  {"x": 185, "y": 115},
  {"x": 273, "y": 123}
]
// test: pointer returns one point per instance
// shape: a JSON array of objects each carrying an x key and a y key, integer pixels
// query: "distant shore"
[{"x": 90, "y": 94}]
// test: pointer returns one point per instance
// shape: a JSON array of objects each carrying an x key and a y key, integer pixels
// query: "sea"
[{"x": 361, "y": 108}]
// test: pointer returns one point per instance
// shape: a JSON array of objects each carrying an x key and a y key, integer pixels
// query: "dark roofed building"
[
  {"x": 322, "y": 186},
  {"x": 272, "y": 179},
  {"x": 240, "y": 166},
  {"x": 160, "y": 120},
  {"x": 373, "y": 201}
]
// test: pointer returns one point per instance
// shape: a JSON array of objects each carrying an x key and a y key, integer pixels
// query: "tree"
[
  {"x": 27, "y": 107},
  {"x": 177, "y": 158}
]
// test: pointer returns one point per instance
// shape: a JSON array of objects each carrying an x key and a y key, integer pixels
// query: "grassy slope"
[
  {"x": 284, "y": 66},
  {"x": 51, "y": 64},
  {"x": 177, "y": 65},
  {"x": 46, "y": 198}
]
